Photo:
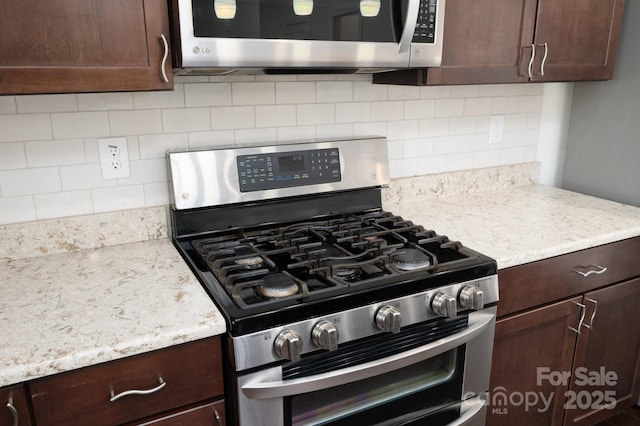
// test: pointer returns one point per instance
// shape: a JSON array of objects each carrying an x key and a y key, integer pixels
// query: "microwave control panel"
[
  {"x": 425, "y": 31},
  {"x": 257, "y": 172}
]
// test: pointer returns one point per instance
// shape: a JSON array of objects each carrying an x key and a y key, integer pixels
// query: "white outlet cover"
[
  {"x": 114, "y": 158},
  {"x": 496, "y": 129}
]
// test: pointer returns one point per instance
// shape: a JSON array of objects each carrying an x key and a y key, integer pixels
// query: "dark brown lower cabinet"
[
  {"x": 526, "y": 347},
  {"x": 606, "y": 359},
  {"x": 574, "y": 360},
  {"x": 14, "y": 408}
]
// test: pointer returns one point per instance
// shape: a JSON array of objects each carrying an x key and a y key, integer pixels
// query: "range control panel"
[
  {"x": 258, "y": 172},
  {"x": 425, "y": 31}
]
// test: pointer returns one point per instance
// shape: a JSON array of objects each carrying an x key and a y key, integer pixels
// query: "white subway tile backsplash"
[
  {"x": 15, "y": 183},
  {"x": 135, "y": 122},
  {"x": 25, "y": 127},
  {"x": 16, "y": 209},
  {"x": 423, "y": 108},
  {"x": 186, "y": 120},
  {"x": 55, "y": 153},
  {"x": 296, "y": 133},
  {"x": 207, "y": 94},
  {"x": 334, "y": 91},
  {"x": 156, "y": 194},
  {"x": 105, "y": 101},
  {"x": 228, "y": 118},
  {"x": 364, "y": 91},
  {"x": 404, "y": 129},
  {"x": 159, "y": 99},
  {"x": 258, "y": 93},
  {"x": 12, "y": 156},
  {"x": 449, "y": 107},
  {"x": 353, "y": 112},
  {"x": 403, "y": 93},
  {"x": 72, "y": 203},
  {"x": 468, "y": 91},
  {"x": 275, "y": 115},
  {"x": 79, "y": 125},
  {"x": 295, "y": 92},
  {"x": 49, "y": 162},
  {"x": 387, "y": 111},
  {"x": 316, "y": 114},
  {"x": 85, "y": 176},
  {"x": 219, "y": 139},
  {"x": 117, "y": 198},
  {"x": 47, "y": 103},
  {"x": 8, "y": 105},
  {"x": 155, "y": 146}
]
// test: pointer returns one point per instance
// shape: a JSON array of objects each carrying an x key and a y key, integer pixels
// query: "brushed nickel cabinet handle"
[
  {"x": 114, "y": 398},
  {"x": 533, "y": 56},
  {"x": 218, "y": 419},
  {"x": 165, "y": 45},
  {"x": 598, "y": 271},
  {"x": 581, "y": 306},
  {"x": 13, "y": 411},
  {"x": 593, "y": 315},
  {"x": 544, "y": 58}
]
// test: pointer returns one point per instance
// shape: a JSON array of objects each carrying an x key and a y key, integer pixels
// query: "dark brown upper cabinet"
[
  {"x": 516, "y": 41},
  {"x": 84, "y": 46}
]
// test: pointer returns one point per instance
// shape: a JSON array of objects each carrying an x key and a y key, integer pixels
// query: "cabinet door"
[
  {"x": 608, "y": 351},
  {"x": 527, "y": 348},
  {"x": 581, "y": 38},
  {"x": 13, "y": 406},
  {"x": 485, "y": 42},
  {"x": 83, "y": 46},
  {"x": 211, "y": 414}
]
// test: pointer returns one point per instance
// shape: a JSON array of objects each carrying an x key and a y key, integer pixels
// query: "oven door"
[{"x": 441, "y": 382}]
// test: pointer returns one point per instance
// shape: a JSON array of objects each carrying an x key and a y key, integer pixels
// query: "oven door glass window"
[
  {"x": 328, "y": 20},
  {"x": 407, "y": 396}
]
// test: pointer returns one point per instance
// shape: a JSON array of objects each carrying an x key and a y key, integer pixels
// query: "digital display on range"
[
  {"x": 291, "y": 163},
  {"x": 261, "y": 171}
]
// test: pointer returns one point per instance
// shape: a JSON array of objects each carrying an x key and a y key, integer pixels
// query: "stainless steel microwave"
[{"x": 305, "y": 36}]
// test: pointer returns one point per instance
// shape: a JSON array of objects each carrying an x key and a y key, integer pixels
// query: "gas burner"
[
  {"x": 341, "y": 269},
  {"x": 251, "y": 262},
  {"x": 410, "y": 259},
  {"x": 276, "y": 285}
]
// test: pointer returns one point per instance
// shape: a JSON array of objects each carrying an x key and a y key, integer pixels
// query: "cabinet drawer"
[
  {"x": 534, "y": 284},
  {"x": 211, "y": 414},
  {"x": 96, "y": 395},
  {"x": 14, "y": 408}
]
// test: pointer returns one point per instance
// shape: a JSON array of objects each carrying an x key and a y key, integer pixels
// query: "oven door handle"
[{"x": 479, "y": 322}]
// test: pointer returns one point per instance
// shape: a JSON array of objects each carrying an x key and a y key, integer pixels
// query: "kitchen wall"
[
  {"x": 602, "y": 150},
  {"x": 49, "y": 164}
]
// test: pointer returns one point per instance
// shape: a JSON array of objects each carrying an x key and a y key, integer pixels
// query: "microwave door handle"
[
  {"x": 409, "y": 26},
  {"x": 479, "y": 322}
]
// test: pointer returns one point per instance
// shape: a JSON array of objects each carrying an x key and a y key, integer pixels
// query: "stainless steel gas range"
[{"x": 338, "y": 312}]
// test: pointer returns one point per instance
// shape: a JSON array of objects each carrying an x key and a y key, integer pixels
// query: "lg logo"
[{"x": 196, "y": 50}]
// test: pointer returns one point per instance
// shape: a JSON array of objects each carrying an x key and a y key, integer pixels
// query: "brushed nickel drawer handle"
[
  {"x": 13, "y": 411},
  {"x": 600, "y": 270},
  {"x": 593, "y": 315},
  {"x": 218, "y": 419},
  {"x": 544, "y": 58},
  {"x": 114, "y": 398},
  {"x": 533, "y": 56}
]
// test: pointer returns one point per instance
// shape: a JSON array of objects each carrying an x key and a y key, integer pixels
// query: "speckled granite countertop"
[
  {"x": 70, "y": 310},
  {"x": 524, "y": 223},
  {"x": 83, "y": 290}
]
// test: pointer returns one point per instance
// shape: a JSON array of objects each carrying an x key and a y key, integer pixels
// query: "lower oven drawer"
[{"x": 161, "y": 381}]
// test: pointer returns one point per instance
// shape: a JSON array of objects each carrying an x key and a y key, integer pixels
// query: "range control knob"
[
  {"x": 325, "y": 335},
  {"x": 288, "y": 345},
  {"x": 444, "y": 305},
  {"x": 388, "y": 319},
  {"x": 471, "y": 298}
]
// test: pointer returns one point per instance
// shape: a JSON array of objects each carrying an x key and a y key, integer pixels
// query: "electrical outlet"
[
  {"x": 114, "y": 158},
  {"x": 496, "y": 129}
]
